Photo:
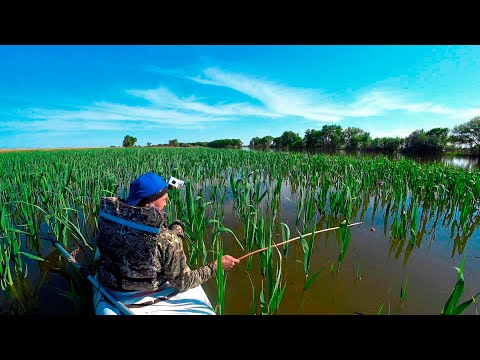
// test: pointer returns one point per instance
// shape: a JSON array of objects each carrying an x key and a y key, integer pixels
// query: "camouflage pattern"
[{"x": 132, "y": 259}]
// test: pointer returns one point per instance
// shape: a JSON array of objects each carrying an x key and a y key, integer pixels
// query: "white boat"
[{"x": 164, "y": 301}]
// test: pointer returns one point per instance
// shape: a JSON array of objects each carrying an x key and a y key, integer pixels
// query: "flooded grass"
[{"x": 418, "y": 221}]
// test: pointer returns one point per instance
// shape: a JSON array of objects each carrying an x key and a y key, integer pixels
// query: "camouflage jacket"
[{"x": 134, "y": 257}]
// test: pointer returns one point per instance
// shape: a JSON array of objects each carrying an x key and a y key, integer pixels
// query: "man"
[{"x": 138, "y": 251}]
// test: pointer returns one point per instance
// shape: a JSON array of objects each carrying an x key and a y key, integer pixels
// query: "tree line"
[
  {"x": 332, "y": 137},
  {"x": 130, "y": 141}
]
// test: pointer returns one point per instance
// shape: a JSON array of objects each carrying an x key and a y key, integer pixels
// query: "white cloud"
[
  {"x": 108, "y": 116},
  {"x": 466, "y": 115},
  {"x": 315, "y": 105},
  {"x": 164, "y": 98},
  {"x": 276, "y": 101}
]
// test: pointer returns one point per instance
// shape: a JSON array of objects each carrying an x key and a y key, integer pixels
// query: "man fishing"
[{"x": 138, "y": 250}]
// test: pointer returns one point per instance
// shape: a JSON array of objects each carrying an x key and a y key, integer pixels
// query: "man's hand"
[{"x": 228, "y": 262}]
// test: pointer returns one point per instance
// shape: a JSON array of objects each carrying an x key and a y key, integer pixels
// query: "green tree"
[
  {"x": 392, "y": 144},
  {"x": 129, "y": 141},
  {"x": 289, "y": 138},
  {"x": 200, "y": 143},
  {"x": 438, "y": 139},
  {"x": 366, "y": 140},
  {"x": 416, "y": 142},
  {"x": 468, "y": 134},
  {"x": 386, "y": 144},
  {"x": 266, "y": 141},
  {"x": 225, "y": 143},
  {"x": 312, "y": 138},
  {"x": 433, "y": 141},
  {"x": 277, "y": 142},
  {"x": 355, "y": 138},
  {"x": 255, "y": 141},
  {"x": 173, "y": 143},
  {"x": 331, "y": 137}
]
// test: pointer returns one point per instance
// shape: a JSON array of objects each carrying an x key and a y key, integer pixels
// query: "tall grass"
[{"x": 56, "y": 194}]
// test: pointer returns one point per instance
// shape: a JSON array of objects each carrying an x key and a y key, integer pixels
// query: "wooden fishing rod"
[{"x": 296, "y": 238}]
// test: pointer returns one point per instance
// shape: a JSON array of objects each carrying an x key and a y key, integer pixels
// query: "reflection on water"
[
  {"x": 468, "y": 163},
  {"x": 374, "y": 271},
  {"x": 465, "y": 163}
]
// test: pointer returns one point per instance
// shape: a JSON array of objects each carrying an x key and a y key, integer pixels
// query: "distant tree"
[
  {"x": 468, "y": 134},
  {"x": 386, "y": 144},
  {"x": 355, "y": 138},
  {"x": 289, "y": 138},
  {"x": 312, "y": 138},
  {"x": 129, "y": 141},
  {"x": 237, "y": 143},
  {"x": 331, "y": 136},
  {"x": 366, "y": 140},
  {"x": 415, "y": 143},
  {"x": 392, "y": 144},
  {"x": 266, "y": 141},
  {"x": 438, "y": 139},
  {"x": 200, "y": 143},
  {"x": 173, "y": 143},
  {"x": 433, "y": 141},
  {"x": 277, "y": 142},
  {"x": 255, "y": 141},
  {"x": 149, "y": 144},
  {"x": 225, "y": 143}
]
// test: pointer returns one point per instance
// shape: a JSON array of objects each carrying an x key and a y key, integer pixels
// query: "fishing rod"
[
  {"x": 296, "y": 238},
  {"x": 94, "y": 281}
]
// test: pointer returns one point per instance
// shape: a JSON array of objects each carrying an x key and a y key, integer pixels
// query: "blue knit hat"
[{"x": 149, "y": 186}]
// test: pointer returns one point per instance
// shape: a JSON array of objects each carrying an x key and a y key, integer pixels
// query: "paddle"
[
  {"x": 95, "y": 283},
  {"x": 296, "y": 238}
]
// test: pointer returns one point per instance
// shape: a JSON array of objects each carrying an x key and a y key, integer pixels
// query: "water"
[
  {"x": 429, "y": 270},
  {"x": 368, "y": 281},
  {"x": 467, "y": 163}
]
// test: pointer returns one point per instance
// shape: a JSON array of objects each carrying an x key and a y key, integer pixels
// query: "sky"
[{"x": 94, "y": 95}]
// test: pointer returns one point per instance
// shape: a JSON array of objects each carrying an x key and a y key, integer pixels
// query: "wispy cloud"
[
  {"x": 165, "y": 98},
  {"x": 110, "y": 116},
  {"x": 466, "y": 114},
  {"x": 272, "y": 100},
  {"x": 277, "y": 98},
  {"x": 316, "y": 105}
]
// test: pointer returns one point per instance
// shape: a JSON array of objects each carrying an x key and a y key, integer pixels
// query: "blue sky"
[{"x": 89, "y": 96}]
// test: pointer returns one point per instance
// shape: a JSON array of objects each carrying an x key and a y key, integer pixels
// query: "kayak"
[{"x": 164, "y": 301}]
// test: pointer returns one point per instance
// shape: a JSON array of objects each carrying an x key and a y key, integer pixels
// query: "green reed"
[
  {"x": 56, "y": 194},
  {"x": 451, "y": 307},
  {"x": 307, "y": 246}
]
